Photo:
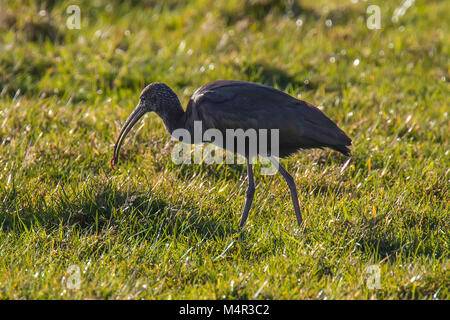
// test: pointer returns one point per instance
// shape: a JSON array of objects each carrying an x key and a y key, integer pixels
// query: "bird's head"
[{"x": 154, "y": 98}]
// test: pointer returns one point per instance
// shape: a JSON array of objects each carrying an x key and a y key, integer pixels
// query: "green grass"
[{"x": 159, "y": 230}]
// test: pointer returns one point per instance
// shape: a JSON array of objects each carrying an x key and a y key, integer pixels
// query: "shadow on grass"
[
  {"x": 101, "y": 208},
  {"x": 383, "y": 242},
  {"x": 388, "y": 247},
  {"x": 273, "y": 76},
  {"x": 258, "y": 10},
  {"x": 96, "y": 208}
]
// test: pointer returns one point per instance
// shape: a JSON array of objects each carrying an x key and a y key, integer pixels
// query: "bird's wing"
[{"x": 237, "y": 104}]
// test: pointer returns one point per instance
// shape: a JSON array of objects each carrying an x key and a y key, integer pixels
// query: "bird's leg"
[
  {"x": 291, "y": 184},
  {"x": 249, "y": 194}
]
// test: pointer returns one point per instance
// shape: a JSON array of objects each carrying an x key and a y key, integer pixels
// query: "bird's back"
[{"x": 244, "y": 105}]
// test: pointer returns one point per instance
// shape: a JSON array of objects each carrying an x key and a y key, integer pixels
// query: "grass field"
[{"x": 73, "y": 228}]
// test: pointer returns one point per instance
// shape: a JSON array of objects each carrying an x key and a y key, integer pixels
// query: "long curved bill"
[{"x": 134, "y": 117}]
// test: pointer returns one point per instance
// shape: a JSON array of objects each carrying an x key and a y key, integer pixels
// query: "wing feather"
[{"x": 238, "y": 104}]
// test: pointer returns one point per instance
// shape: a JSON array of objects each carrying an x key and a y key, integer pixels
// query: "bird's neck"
[{"x": 173, "y": 116}]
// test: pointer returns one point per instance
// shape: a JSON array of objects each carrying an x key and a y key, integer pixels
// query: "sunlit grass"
[{"x": 160, "y": 230}]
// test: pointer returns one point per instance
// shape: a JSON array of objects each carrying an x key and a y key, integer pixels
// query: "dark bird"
[{"x": 243, "y": 105}]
